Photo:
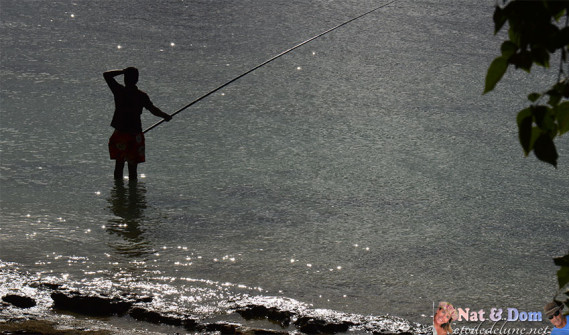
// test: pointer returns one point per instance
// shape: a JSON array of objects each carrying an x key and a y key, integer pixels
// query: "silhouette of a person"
[{"x": 127, "y": 142}]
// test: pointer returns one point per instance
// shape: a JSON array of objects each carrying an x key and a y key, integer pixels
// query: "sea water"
[{"x": 362, "y": 173}]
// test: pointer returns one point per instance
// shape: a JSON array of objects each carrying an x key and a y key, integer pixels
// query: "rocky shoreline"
[
  {"x": 278, "y": 321},
  {"x": 44, "y": 327}
]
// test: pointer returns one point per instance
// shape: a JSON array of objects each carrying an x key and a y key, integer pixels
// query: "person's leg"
[
  {"x": 132, "y": 174},
  {"x": 119, "y": 167}
]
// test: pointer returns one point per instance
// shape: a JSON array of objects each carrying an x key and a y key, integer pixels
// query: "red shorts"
[{"x": 127, "y": 147}]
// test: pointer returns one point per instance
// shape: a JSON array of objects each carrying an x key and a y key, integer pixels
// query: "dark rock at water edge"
[
  {"x": 310, "y": 325},
  {"x": 292, "y": 320},
  {"x": 143, "y": 314},
  {"x": 19, "y": 301},
  {"x": 237, "y": 329},
  {"x": 273, "y": 314},
  {"x": 44, "y": 327},
  {"x": 191, "y": 324},
  {"x": 90, "y": 305},
  {"x": 107, "y": 306},
  {"x": 48, "y": 286},
  {"x": 222, "y": 327}
]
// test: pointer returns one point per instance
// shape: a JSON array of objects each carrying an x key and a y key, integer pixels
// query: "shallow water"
[{"x": 363, "y": 172}]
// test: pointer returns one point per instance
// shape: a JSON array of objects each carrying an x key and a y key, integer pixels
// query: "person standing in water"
[{"x": 127, "y": 141}]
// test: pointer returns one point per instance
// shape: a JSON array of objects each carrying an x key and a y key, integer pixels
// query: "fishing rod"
[{"x": 268, "y": 61}]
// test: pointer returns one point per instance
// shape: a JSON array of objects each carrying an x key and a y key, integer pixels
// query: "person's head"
[
  {"x": 446, "y": 313},
  {"x": 553, "y": 313},
  {"x": 130, "y": 76}
]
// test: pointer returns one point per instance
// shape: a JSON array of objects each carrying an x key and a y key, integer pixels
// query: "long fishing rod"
[{"x": 268, "y": 61}]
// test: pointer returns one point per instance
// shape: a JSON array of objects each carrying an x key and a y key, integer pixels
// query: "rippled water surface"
[{"x": 363, "y": 172}]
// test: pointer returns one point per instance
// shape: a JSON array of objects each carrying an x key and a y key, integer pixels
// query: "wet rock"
[
  {"x": 310, "y": 325},
  {"x": 253, "y": 312},
  {"x": 190, "y": 324},
  {"x": 262, "y": 312},
  {"x": 257, "y": 331},
  {"x": 143, "y": 314},
  {"x": 43, "y": 327},
  {"x": 265, "y": 332},
  {"x": 19, "y": 301},
  {"x": 223, "y": 328},
  {"x": 132, "y": 297},
  {"x": 48, "y": 286},
  {"x": 237, "y": 329},
  {"x": 281, "y": 317},
  {"x": 144, "y": 299},
  {"x": 90, "y": 305}
]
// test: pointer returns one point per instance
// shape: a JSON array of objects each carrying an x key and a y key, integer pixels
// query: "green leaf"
[
  {"x": 499, "y": 19},
  {"x": 508, "y": 48},
  {"x": 544, "y": 117},
  {"x": 563, "y": 273},
  {"x": 540, "y": 56},
  {"x": 558, "y": 9},
  {"x": 563, "y": 88},
  {"x": 533, "y": 97},
  {"x": 495, "y": 72},
  {"x": 523, "y": 114},
  {"x": 522, "y": 61},
  {"x": 561, "y": 261},
  {"x": 562, "y": 38},
  {"x": 563, "y": 276},
  {"x": 561, "y": 113},
  {"x": 525, "y": 121},
  {"x": 514, "y": 35},
  {"x": 544, "y": 149},
  {"x": 554, "y": 97},
  {"x": 539, "y": 112}
]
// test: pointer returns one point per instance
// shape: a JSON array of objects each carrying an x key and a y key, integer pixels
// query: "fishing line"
[{"x": 268, "y": 61}]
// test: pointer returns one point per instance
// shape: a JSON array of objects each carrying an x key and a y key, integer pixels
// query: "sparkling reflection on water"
[{"x": 128, "y": 205}]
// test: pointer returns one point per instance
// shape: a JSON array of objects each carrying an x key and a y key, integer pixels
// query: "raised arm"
[{"x": 110, "y": 76}]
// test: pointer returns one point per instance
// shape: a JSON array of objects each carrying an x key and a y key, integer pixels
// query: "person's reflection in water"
[{"x": 128, "y": 204}]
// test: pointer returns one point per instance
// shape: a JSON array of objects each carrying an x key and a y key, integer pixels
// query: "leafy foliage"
[
  {"x": 563, "y": 274},
  {"x": 535, "y": 33}
]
